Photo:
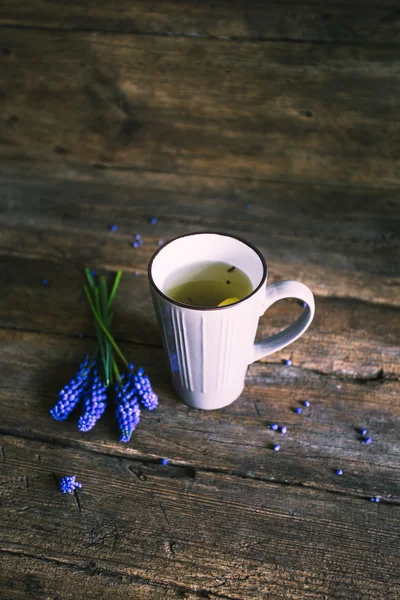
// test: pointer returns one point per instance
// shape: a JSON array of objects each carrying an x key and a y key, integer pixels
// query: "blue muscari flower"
[
  {"x": 142, "y": 386},
  {"x": 128, "y": 410},
  {"x": 94, "y": 403},
  {"x": 70, "y": 395},
  {"x": 68, "y": 484}
]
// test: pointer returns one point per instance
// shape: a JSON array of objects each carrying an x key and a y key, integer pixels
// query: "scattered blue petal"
[
  {"x": 93, "y": 273},
  {"x": 339, "y": 472},
  {"x": 113, "y": 228},
  {"x": 68, "y": 484},
  {"x": 153, "y": 221},
  {"x": 45, "y": 282},
  {"x": 283, "y": 429},
  {"x": 298, "y": 410},
  {"x": 274, "y": 426},
  {"x": 277, "y": 447},
  {"x": 367, "y": 440},
  {"x": 288, "y": 362},
  {"x": 363, "y": 432},
  {"x": 164, "y": 461},
  {"x": 306, "y": 403},
  {"x": 160, "y": 242}
]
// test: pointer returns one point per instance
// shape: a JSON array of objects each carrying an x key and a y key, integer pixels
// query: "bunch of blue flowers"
[{"x": 99, "y": 376}]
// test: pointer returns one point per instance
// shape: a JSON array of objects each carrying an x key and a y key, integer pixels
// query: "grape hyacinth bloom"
[
  {"x": 93, "y": 402},
  {"x": 128, "y": 410},
  {"x": 70, "y": 395},
  {"x": 142, "y": 386},
  {"x": 68, "y": 484}
]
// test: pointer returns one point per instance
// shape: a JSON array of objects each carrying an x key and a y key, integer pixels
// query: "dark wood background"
[{"x": 113, "y": 113}]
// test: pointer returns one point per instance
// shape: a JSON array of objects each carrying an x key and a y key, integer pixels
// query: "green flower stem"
[
  {"x": 116, "y": 370},
  {"x": 90, "y": 279},
  {"x": 102, "y": 352},
  {"x": 102, "y": 341},
  {"x": 102, "y": 327},
  {"x": 114, "y": 288},
  {"x": 106, "y": 321}
]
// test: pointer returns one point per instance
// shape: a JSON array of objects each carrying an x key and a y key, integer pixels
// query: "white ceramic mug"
[{"x": 209, "y": 349}]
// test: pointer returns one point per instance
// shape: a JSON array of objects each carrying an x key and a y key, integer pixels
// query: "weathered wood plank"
[
  {"x": 25, "y": 577},
  {"x": 342, "y": 242},
  {"x": 197, "y": 531},
  {"x": 234, "y": 439},
  {"x": 352, "y": 22},
  {"x": 188, "y": 105},
  {"x": 347, "y": 338}
]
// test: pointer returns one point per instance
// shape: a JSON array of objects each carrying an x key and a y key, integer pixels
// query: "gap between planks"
[
  {"x": 192, "y": 469},
  {"x": 87, "y": 168},
  {"x": 100, "y": 571},
  {"x": 198, "y": 36},
  {"x": 379, "y": 375}
]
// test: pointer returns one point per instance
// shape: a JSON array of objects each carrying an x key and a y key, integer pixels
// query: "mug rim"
[{"x": 208, "y": 308}]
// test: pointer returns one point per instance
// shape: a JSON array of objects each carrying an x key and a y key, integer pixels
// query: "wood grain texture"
[
  {"x": 347, "y": 338},
  {"x": 352, "y": 22},
  {"x": 343, "y": 242},
  {"x": 193, "y": 531},
  {"x": 323, "y": 113},
  {"x": 276, "y": 122},
  {"x": 326, "y": 437}
]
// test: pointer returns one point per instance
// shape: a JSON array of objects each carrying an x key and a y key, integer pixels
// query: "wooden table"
[{"x": 114, "y": 113}]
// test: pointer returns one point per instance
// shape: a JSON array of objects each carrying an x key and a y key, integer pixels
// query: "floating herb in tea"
[{"x": 206, "y": 284}]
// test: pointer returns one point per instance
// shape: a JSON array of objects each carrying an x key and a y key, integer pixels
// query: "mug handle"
[{"x": 279, "y": 291}]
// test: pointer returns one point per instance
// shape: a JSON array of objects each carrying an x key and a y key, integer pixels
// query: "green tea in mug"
[{"x": 209, "y": 284}]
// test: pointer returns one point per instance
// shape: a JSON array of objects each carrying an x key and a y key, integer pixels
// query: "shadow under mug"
[{"x": 209, "y": 349}]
